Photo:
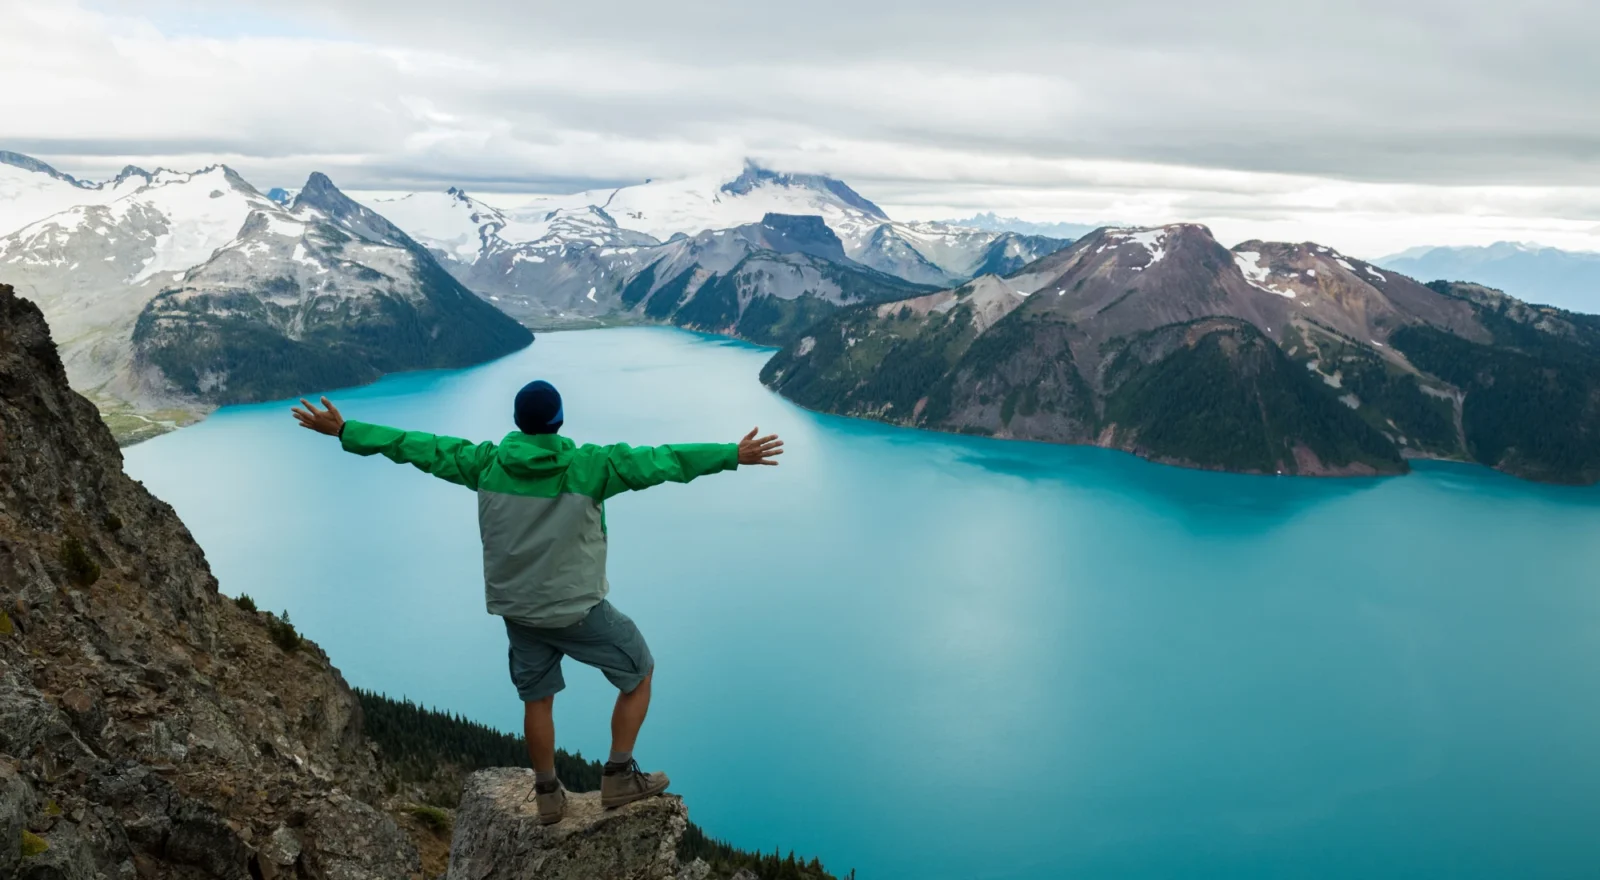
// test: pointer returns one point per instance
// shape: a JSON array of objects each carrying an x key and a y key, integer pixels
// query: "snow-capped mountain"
[
  {"x": 451, "y": 223},
  {"x": 760, "y": 281},
  {"x": 666, "y": 208},
  {"x": 1566, "y": 279},
  {"x": 466, "y": 233},
  {"x": 93, "y": 268},
  {"x": 192, "y": 289},
  {"x": 31, "y": 190}
]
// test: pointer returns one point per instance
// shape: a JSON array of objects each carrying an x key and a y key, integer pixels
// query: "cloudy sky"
[{"x": 1371, "y": 126}]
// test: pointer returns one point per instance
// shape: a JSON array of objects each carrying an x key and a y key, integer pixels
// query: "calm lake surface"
[{"x": 928, "y": 656}]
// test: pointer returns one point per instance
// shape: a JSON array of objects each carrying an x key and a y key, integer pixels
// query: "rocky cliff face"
[{"x": 150, "y": 727}]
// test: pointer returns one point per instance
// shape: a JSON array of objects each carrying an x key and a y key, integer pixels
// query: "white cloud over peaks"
[{"x": 1373, "y": 125}]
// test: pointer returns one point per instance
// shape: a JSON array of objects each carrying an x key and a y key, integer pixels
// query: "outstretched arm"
[
  {"x": 632, "y": 468},
  {"x": 448, "y": 458}
]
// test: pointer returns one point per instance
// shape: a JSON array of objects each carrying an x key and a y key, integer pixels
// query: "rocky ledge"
[{"x": 498, "y": 836}]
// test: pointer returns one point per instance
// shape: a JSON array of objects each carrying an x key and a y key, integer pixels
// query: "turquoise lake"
[{"x": 928, "y": 656}]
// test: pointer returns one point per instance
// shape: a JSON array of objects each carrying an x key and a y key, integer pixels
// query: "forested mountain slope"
[{"x": 1269, "y": 358}]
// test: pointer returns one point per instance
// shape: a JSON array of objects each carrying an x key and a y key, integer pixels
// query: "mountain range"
[
  {"x": 1266, "y": 358},
  {"x": 171, "y": 293},
  {"x": 1566, "y": 279},
  {"x": 565, "y": 260}
]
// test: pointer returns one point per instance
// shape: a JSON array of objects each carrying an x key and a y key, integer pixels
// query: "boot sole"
[
  {"x": 551, "y": 820},
  {"x": 622, "y": 801}
]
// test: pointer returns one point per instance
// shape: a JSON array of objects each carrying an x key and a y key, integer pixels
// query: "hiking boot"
[
  {"x": 626, "y": 783},
  {"x": 552, "y": 800}
]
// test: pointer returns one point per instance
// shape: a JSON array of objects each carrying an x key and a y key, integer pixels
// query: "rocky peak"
[
  {"x": 754, "y": 176},
  {"x": 320, "y": 194},
  {"x": 130, "y": 171},
  {"x": 797, "y": 233},
  {"x": 1120, "y": 281}
]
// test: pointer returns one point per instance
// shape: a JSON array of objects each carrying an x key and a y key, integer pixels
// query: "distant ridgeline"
[
  {"x": 436, "y": 750},
  {"x": 1269, "y": 358}
]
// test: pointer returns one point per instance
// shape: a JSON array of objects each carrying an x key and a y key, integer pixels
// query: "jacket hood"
[{"x": 534, "y": 455}]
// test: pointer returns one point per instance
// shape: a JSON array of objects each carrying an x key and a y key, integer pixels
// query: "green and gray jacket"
[{"x": 541, "y": 506}]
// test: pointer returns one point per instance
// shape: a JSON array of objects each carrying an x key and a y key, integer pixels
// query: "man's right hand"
[
  {"x": 326, "y": 421},
  {"x": 759, "y": 451}
]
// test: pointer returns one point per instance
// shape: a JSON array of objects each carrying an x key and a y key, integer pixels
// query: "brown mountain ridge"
[{"x": 1266, "y": 358}]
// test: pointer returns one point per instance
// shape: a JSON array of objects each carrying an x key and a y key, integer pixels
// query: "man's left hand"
[
  {"x": 760, "y": 451},
  {"x": 326, "y": 421}
]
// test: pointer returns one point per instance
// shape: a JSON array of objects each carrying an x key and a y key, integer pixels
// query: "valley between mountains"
[{"x": 172, "y": 293}]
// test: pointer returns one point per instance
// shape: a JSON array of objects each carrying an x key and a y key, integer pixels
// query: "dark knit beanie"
[{"x": 538, "y": 408}]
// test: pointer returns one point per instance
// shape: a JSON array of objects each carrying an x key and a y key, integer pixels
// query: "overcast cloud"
[{"x": 1372, "y": 126}]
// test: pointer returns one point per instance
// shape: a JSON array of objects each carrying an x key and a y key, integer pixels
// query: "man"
[{"x": 541, "y": 514}]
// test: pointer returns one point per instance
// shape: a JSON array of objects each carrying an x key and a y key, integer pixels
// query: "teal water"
[{"x": 928, "y": 656}]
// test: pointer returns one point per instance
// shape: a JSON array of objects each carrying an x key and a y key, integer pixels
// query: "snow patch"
[
  {"x": 1152, "y": 240},
  {"x": 304, "y": 258},
  {"x": 1257, "y": 275},
  {"x": 280, "y": 225}
]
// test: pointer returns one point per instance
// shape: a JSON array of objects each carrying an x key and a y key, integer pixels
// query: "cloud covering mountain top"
[{"x": 1363, "y": 122}]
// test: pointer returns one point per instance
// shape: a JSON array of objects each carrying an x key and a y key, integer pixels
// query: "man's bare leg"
[
  {"x": 626, "y": 718},
  {"x": 539, "y": 727},
  {"x": 623, "y": 782}
]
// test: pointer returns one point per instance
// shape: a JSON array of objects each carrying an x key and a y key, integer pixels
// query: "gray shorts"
[{"x": 605, "y": 639}]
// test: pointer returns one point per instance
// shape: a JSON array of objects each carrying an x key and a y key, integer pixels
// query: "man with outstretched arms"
[{"x": 541, "y": 514}]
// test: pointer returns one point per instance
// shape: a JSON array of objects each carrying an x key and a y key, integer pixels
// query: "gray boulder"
[{"x": 498, "y": 835}]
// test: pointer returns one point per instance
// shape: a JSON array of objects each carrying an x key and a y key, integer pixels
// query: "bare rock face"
[
  {"x": 149, "y": 727},
  {"x": 498, "y": 835}
]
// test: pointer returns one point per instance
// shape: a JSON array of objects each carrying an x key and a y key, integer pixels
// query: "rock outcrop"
[
  {"x": 149, "y": 726},
  {"x": 498, "y": 835}
]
